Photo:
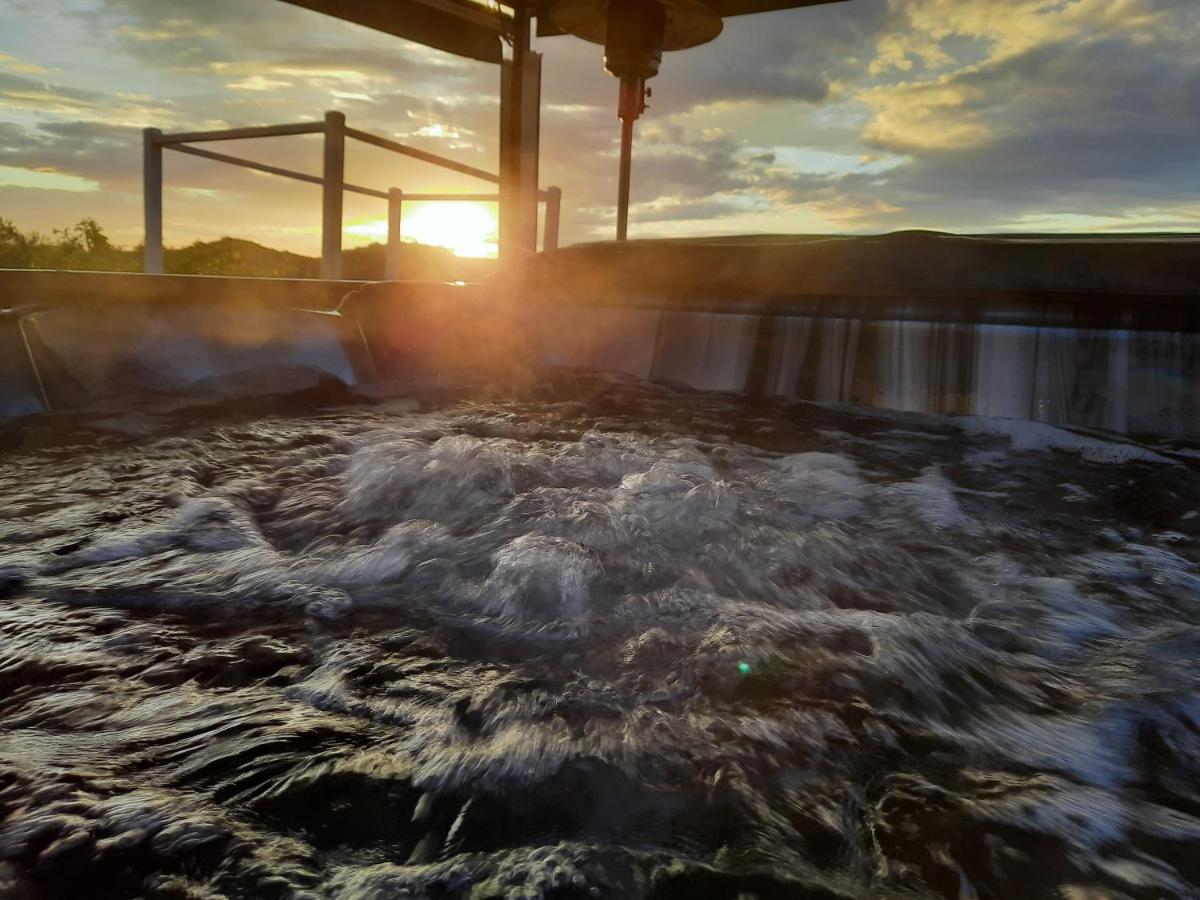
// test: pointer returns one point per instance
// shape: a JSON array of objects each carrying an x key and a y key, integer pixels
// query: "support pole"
[
  {"x": 553, "y": 210},
  {"x": 331, "y": 200},
  {"x": 631, "y": 103},
  {"x": 395, "y": 217},
  {"x": 520, "y": 90},
  {"x": 623, "y": 182},
  {"x": 531, "y": 100},
  {"x": 152, "y": 180}
]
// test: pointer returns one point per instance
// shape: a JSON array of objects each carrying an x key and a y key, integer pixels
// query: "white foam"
[
  {"x": 1027, "y": 435},
  {"x": 930, "y": 497},
  {"x": 387, "y": 560},
  {"x": 452, "y": 480},
  {"x": 1137, "y": 564},
  {"x": 1075, "y": 493},
  {"x": 538, "y": 578},
  {"x": 825, "y": 486}
]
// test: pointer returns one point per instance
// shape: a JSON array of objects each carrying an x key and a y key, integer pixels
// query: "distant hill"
[
  {"x": 233, "y": 256},
  {"x": 85, "y": 247}
]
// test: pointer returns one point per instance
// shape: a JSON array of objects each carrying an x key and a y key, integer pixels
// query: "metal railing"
[{"x": 333, "y": 185}]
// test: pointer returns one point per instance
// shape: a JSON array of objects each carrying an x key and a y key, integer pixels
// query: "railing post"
[
  {"x": 550, "y": 228},
  {"x": 394, "y": 218},
  {"x": 331, "y": 199},
  {"x": 152, "y": 252},
  {"x": 520, "y": 96}
]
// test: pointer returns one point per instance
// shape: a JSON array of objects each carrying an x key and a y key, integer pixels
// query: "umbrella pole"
[
  {"x": 623, "y": 186},
  {"x": 632, "y": 103}
]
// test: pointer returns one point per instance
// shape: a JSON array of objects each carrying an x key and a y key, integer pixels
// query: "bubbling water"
[{"x": 616, "y": 640}]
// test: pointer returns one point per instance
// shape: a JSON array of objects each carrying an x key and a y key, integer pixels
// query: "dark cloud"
[
  {"x": 108, "y": 154},
  {"x": 792, "y": 55},
  {"x": 1089, "y": 127},
  {"x": 21, "y": 92}
]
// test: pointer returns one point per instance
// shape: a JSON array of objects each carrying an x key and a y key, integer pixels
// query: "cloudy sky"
[{"x": 865, "y": 116}]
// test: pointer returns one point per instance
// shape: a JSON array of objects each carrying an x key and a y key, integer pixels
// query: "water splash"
[{"x": 631, "y": 642}]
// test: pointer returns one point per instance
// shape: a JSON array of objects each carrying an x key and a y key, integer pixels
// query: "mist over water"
[{"x": 608, "y": 640}]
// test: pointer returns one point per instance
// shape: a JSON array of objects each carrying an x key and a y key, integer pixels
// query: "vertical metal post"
[
  {"x": 152, "y": 252},
  {"x": 331, "y": 202},
  {"x": 394, "y": 218},
  {"x": 531, "y": 126},
  {"x": 631, "y": 103},
  {"x": 550, "y": 227},
  {"x": 520, "y": 82},
  {"x": 623, "y": 182},
  {"x": 510, "y": 136}
]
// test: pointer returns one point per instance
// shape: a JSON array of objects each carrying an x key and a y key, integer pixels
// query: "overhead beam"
[
  {"x": 725, "y": 8},
  {"x": 455, "y": 26}
]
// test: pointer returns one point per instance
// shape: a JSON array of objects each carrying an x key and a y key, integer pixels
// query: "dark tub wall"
[
  {"x": 99, "y": 335},
  {"x": 1089, "y": 333},
  {"x": 1092, "y": 333},
  {"x": 21, "y": 392},
  {"x": 779, "y": 270},
  {"x": 94, "y": 335}
]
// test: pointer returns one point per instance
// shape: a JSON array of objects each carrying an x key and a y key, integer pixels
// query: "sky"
[{"x": 859, "y": 117}]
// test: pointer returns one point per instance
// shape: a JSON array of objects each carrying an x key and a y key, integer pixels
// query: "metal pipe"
[
  {"x": 333, "y": 183},
  {"x": 553, "y": 197},
  {"x": 367, "y": 138},
  {"x": 152, "y": 193},
  {"x": 394, "y": 219},
  {"x": 33, "y": 365},
  {"x": 273, "y": 170},
  {"x": 236, "y": 134},
  {"x": 518, "y": 234},
  {"x": 439, "y": 198},
  {"x": 331, "y": 195},
  {"x": 316, "y": 179},
  {"x": 245, "y": 163},
  {"x": 623, "y": 182}
]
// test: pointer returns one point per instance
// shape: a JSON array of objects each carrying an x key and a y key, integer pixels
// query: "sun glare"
[{"x": 466, "y": 228}]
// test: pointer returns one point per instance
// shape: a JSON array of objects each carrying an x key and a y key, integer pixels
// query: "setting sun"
[{"x": 467, "y": 228}]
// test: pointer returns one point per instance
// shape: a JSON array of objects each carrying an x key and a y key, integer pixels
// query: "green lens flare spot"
[{"x": 744, "y": 668}]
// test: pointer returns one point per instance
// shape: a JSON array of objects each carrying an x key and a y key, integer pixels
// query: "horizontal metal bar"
[
  {"x": 272, "y": 170},
  {"x": 439, "y": 198},
  {"x": 246, "y": 163},
  {"x": 316, "y": 179},
  {"x": 235, "y": 134},
  {"x": 365, "y": 191},
  {"x": 475, "y": 197},
  {"x": 478, "y": 198},
  {"x": 367, "y": 138}
]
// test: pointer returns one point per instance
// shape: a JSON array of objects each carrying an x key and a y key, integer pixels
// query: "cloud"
[
  {"x": 13, "y": 64},
  {"x": 86, "y": 150},
  {"x": 1090, "y": 117},
  {"x": 257, "y": 83},
  {"x": 934, "y": 115},
  {"x": 870, "y": 115},
  {"x": 20, "y": 92}
]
